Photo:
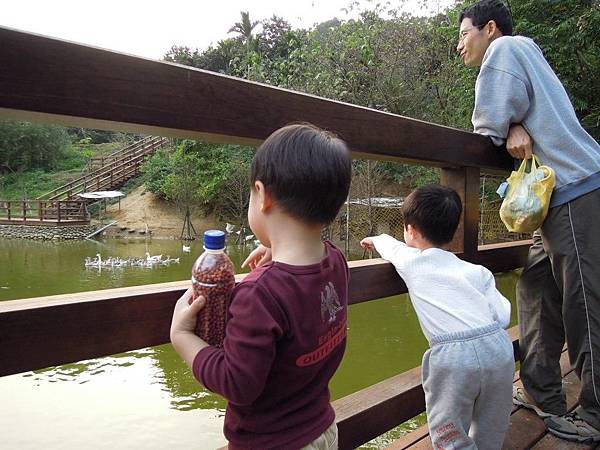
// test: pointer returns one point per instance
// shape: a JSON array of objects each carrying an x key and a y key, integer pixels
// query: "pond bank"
[{"x": 46, "y": 232}]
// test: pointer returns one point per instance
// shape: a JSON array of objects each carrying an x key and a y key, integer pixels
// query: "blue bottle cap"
[{"x": 214, "y": 240}]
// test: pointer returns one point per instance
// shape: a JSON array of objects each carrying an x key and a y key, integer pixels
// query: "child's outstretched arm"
[
  {"x": 390, "y": 249},
  {"x": 367, "y": 243},
  {"x": 183, "y": 324}
]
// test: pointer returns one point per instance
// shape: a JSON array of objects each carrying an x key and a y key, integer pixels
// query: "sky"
[{"x": 149, "y": 28}]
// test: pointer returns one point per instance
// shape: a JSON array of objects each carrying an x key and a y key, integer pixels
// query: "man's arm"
[{"x": 501, "y": 99}]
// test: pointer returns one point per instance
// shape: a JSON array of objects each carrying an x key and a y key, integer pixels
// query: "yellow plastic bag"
[{"x": 528, "y": 196}]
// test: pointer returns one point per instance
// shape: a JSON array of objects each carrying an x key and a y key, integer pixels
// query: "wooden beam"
[
  {"x": 465, "y": 181},
  {"x": 50, "y": 80},
  {"x": 48, "y": 331},
  {"x": 372, "y": 411}
]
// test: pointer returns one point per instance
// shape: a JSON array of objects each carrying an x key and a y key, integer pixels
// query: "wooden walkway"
[{"x": 526, "y": 431}]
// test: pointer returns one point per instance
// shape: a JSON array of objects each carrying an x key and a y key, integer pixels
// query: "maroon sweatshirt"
[{"x": 285, "y": 338}]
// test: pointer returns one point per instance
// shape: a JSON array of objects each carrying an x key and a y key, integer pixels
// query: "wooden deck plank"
[
  {"x": 411, "y": 439},
  {"x": 551, "y": 442}
]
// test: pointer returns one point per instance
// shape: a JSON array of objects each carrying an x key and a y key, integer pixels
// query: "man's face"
[{"x": 473, "y": 41}]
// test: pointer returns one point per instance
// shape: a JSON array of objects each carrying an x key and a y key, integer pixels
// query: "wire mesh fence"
[{"x": 361, "y": 217}]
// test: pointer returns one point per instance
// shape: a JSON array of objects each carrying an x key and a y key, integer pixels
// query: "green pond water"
[{"x": 148, "y": 398}]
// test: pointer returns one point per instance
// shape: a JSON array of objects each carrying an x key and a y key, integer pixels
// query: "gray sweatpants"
[
  {"x": 558, "y": 296},
  {"x": 467, "y": 379}
]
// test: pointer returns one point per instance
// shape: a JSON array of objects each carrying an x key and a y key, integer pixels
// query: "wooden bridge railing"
[
  {"x": 98, "y": 162},
  {"x": 60, "y": 82},
  {"x": 39, "y": 211}
]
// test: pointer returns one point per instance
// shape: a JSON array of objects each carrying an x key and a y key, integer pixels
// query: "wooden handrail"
[
  {"x": 47, "y": 331},
  {"x": 18, "y": 211},
  {"x": 97, "y": 88}
]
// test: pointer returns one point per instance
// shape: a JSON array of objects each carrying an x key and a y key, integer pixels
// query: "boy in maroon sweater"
[{"x": 286, "y": 332}]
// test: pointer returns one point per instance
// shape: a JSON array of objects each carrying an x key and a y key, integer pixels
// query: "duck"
[{"x": 153, "y": 259}]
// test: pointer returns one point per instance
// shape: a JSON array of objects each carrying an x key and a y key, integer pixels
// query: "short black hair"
[
  {"x": 307, "y": 170},
  {"x": 434, "y": 211},
  {"x": 483, "y": 11}
]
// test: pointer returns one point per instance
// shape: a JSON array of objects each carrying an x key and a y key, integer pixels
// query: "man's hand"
[
  {"x": 519, "y": 144},
  {"x": 259, "y": 256},
  {"x": 367, "y": 243}
]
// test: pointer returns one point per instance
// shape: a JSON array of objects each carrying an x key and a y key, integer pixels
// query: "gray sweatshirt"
[{"x": 517, "y": 85}]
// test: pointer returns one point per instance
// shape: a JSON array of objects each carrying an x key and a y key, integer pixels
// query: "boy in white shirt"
[{"x": 468, "y": 371}]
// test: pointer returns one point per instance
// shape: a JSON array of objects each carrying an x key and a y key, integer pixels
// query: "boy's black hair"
[
  {"x": 483, "y": 11},
  {"x": 434, "y": 211},
  {"x": 307, "y": 170}
]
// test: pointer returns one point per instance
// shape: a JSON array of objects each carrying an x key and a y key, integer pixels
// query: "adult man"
[{"x": 558, "y": 294}]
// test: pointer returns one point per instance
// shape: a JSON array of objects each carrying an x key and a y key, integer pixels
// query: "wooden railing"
[
  {"x": 103, "y": 89},
  {"x": 114, "y": 172},
  {"x": 98, "y": 162},
  {"x": 33, "y": 212}
]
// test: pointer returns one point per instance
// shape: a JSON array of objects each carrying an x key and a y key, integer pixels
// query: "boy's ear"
[
  {"x": 264, "y": 196},
  {"x": 412, "y": 232}
]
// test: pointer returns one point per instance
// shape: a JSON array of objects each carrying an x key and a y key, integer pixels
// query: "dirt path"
[{"x": 140, "y": 208}]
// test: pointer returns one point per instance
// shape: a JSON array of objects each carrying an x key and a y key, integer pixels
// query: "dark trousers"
[{"x": 558, "y": 296}]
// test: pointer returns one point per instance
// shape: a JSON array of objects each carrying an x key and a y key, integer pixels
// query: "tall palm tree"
[{"x": 244, "y": 28}]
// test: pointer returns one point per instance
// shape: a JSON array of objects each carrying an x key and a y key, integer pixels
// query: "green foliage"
[
  {"x": 392, "y": 61},
  {"x": 25, "y": 146},
  {"x": 91, "y": 136},
  {"x": 24, "y": 185},
  {"x": 196, "y": 174},
  {"x": 155, "y": 170}
]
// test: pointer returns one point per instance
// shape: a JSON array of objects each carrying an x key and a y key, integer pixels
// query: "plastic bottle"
[{"x": 213, "y": 277}]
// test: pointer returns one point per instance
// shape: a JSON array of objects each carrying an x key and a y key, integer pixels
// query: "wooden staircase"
[
  {"x": 62, "y": 206},
  {"x": 112, "y": 171}
]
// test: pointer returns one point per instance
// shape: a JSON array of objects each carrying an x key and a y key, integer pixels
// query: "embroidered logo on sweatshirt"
[
  {"x": 327, "y": 344},
  {"x": 330, "y": 303}
]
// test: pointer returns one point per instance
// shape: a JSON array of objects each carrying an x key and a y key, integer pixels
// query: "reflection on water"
[{"x": 148, "y": 397}]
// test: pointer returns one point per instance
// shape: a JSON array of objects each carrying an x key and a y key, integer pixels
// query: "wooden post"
[
  {"x": 24, "y": 211},
  {"x": 465, "y": 181},
  {"x": 58, "y": 210},
  {"x": 41, "y": 210},
  {"x": 8, "y": 209}
]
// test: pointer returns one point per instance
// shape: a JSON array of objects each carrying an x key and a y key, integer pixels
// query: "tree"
[
  {"x": 25, "y": 146},
  {"x": 183, "y": 55},
  {"x": 244, "y": 29},
  {"x": 182, "y": 184}
]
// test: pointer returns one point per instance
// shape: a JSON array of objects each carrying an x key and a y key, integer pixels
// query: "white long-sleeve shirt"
[{"x": 448, "y": 294}]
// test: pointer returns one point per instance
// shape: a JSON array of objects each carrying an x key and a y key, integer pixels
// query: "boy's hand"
[
  {"x": 367, "y": 243},
  {"x": 259, "y": 256},
  {"x": 518, "y": 143},
  {"x": 183, "y": 324},
  {"x": 185, "y": 314}
]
